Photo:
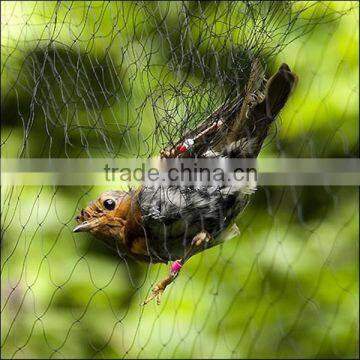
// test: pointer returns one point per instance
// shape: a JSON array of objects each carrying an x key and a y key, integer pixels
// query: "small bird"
[{"x": 173, "y": 223}]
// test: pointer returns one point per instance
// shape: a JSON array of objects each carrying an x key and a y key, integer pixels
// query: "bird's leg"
[
  {"x": 200, "y": 238},
  {"x": 176, "y": 266},
  {"x": 159, "y": 288}
]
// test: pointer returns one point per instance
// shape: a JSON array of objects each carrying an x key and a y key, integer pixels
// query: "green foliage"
[{"x": 287, "y": 287}]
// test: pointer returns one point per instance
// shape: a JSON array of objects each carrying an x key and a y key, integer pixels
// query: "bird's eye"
[{"x": 109, "y": 204}]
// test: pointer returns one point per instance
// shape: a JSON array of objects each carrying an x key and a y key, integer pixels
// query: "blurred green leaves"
[{"x": 86, "y": 79}]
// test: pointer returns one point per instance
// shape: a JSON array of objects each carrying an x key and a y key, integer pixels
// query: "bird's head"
[{"x": 106, "y": 217}]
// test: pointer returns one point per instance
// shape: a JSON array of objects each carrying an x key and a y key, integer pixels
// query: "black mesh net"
[{"x": 126, "y": 79}]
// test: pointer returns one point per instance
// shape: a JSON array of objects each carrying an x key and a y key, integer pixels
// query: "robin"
[{"x": 173, "y": 223}]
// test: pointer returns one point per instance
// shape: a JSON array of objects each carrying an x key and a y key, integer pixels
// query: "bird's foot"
[
  {"x": 201, "y": 238},
  {"x": 160, "y": 287},
  {"x": 198, "y": 240}
]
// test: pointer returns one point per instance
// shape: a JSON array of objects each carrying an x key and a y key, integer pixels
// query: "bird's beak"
[{"x": 86, "y": 225}]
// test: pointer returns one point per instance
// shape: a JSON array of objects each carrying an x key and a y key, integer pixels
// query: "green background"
[{"x": 83, "y": 79}]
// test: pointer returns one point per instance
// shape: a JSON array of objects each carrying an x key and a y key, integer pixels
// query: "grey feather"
[{"x": 174, "y": 215}]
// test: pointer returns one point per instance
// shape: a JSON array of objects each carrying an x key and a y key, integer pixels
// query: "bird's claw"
[
  {"x": 201, "y": 238},
  {"x": 157, "y": 292},
  {"x": 160, "y": 287}
]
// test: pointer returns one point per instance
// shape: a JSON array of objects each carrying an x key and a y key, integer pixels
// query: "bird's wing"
[{"x": 239, "y": 127}]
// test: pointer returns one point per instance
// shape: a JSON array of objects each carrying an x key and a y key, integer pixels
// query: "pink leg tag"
[{"x": 176, "y": 266}]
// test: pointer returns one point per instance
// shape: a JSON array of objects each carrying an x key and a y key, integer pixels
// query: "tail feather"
[
  {"x": 249, "y": 139},
  {"x": 278, "y": 90}
]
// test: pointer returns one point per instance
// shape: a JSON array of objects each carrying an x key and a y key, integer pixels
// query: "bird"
[{"x": 173, "y": 223}]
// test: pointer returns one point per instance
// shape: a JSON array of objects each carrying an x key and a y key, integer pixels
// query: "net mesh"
[{"x": 125, "y": 79}]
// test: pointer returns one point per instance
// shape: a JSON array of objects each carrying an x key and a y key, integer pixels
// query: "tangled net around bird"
[{"x": 126, "y": 79}]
